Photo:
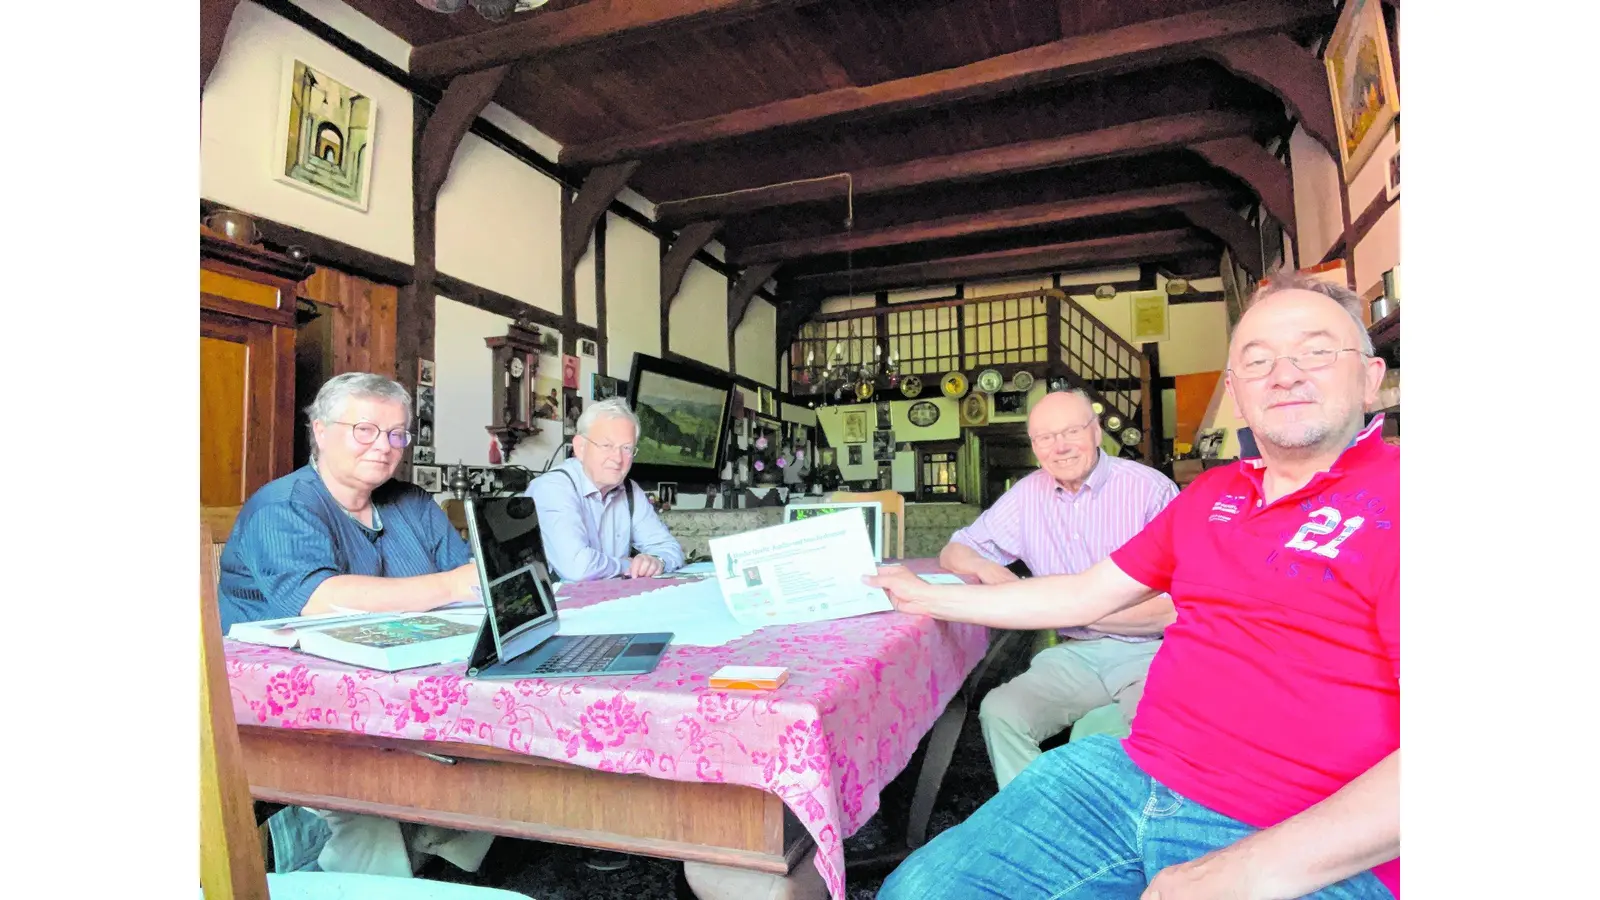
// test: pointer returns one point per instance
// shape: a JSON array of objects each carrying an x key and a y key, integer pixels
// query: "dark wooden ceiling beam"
[
  {"x": 1230, "y": 228},
  {"x": 448, "y": 124},
  {"x": 675, "y": 263},
  {"x": 1293, "y": 73},
  {"x": 1143, "y": 136},
  {"x": 1264, "y": 173},
  {"x": 609, "y": 23},
  {"x": 599, "y": 189},
  {"x": 215, "y": 16},
  {"x": 1031, "y": 216},
  {"x": 744, "y": 290},
  {"x": 1117, "y": 49},
  {"x": 1018, "y": 261}
]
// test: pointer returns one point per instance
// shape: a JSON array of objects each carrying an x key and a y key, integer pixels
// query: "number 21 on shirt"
[{"x": 1324, "y": 521}]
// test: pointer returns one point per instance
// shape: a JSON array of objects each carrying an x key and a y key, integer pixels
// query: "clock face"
[
  {"x": 516, "y": 367},
  {"x": 990, "y": 381},
  {"x": 923, "y": 414}
]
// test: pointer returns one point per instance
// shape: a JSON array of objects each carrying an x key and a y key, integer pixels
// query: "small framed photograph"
[
  {"x": 586, "y": 347},
  {"x": 425, "y": 405},
  {"x": 425, "y": 436},
  {"x": 429, "y": 478},
  {"x": 883, "y": 414},
  {"x": 421, "y": 454},
  {"x": 855, "y": 454},
  {"x": 425, "y": 372},
  {"x": 667, "y": 493}
]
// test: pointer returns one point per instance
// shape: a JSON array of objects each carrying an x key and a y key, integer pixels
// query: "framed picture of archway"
[
  {"x": 325, "y": 135},
  {"x": 1366, "y": 98}
]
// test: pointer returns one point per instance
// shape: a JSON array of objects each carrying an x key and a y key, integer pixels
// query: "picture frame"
[
  {"x": 1149, "y": 316},
  {"x": 422, "y": 454},
  {"x": 326, "y": 135},
  {"x": 1392, "y": 181},
  {"x": 425, "y": 372},
  {"x": 854, "y": 424},
  {"x": 1366, "y": 97},
  {"x": 429, "y": 478},
  {"x": 854, "y": 454}
]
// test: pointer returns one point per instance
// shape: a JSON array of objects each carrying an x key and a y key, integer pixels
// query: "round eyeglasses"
[{"x": 366, "y": 433}]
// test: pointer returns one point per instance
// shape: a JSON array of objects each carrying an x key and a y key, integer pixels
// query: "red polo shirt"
[{"x": 1280, "y": 681}]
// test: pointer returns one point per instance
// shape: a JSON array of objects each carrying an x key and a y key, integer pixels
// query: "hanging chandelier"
[{"x": 492, "y": 10}]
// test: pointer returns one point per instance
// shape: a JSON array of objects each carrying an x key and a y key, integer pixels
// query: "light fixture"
[
  {"x": 1105, "y": 292},
  {"x": 492, "y": 10},
  {"x": 1177, "y": 285}
]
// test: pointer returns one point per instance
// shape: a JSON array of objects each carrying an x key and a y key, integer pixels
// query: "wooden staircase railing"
[{"x": 1108, "y": 369}]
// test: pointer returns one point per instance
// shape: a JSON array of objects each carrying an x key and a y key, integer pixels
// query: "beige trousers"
[
  {"x": 370, "y": 845},
  {"x": 1062, "y": 684}
]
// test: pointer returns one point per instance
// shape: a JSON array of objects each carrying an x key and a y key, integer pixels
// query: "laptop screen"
[{"x": 512, "y": 557}]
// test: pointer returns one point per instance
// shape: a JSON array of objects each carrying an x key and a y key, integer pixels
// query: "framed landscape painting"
[
  {"x": 325, "y": 136},
  {"x": 1366, "y": 98}
]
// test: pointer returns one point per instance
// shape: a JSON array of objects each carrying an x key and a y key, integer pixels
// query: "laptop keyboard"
[{"x": 590, "y": 653}]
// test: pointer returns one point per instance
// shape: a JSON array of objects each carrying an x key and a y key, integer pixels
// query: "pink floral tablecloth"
[{"x": 861, "y": 694}]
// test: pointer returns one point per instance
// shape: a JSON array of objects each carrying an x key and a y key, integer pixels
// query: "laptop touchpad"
[{"x": 642, "y": 648}]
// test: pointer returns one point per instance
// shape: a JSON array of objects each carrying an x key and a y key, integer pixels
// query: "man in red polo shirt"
[{"x": 1265, "y": 759}]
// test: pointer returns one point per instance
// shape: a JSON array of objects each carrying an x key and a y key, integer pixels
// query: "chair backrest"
[
  {"x": 456, "y": 511},
  {"x": 216, "y": 523},
  {"x": 231, "y": 867},
  {"x": 894, "y": 504}
]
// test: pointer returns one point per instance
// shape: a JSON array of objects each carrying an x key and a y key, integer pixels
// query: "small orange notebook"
[{"x": 749, "y": 678}]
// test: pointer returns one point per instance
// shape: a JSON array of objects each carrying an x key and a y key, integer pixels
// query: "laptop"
[
  {"x": 871, "y": 509},
  {"x": 518, "y": 638}
]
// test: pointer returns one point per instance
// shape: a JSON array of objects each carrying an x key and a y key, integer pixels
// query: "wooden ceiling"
[{"x": 932, "y": 138}]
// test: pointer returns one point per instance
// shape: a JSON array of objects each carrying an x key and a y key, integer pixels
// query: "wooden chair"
[
  {"x": 216, "y": 523},
  {"x": 894, "y": 504},
  {"x": 232, "y": 866}
]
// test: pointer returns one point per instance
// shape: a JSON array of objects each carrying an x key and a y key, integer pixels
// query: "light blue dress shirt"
[{"x": 588, "y": 536}]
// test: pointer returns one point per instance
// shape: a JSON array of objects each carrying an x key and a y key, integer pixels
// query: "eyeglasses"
[
  {"x": 1258, "y": 366},
  {"x": 1065, "y": 434},
  {"x": 366, "y": 433},
  {"x": 607, "y": 447}
]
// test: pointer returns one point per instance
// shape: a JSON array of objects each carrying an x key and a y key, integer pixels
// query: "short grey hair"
[
  {"x": 1348, "y": 300},
  {"x": 341, "y": 389},
  {"x": 610, "y": 408}
]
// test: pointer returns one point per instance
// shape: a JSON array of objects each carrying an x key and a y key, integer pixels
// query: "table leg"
[{"x": 710, "y": 882}]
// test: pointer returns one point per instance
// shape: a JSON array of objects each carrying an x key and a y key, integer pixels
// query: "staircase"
[
  {"x": 1042, "y": 332},
  {"x": 1110, "y": 370}
]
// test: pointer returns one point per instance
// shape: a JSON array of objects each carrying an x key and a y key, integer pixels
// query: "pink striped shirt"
[{"x": 1056, "y": 532}]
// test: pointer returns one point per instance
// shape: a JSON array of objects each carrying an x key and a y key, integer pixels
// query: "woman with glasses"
[{"x": 341, "y": 533}]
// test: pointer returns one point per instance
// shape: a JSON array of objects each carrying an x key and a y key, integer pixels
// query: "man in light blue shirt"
[{"x": 591, "y": 527}]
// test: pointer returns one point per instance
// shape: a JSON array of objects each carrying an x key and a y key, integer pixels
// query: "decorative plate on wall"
[
  {"x": 954, "y": 384},
  {"x": 911, "y": 387},
  {"x": 1130, "y": 436},
  {"x": 1022, "y": 381},
  {"x": 923, "y": 414},
  {"x": 990, "y": 380},
  {"x": 864, "y": 390}
]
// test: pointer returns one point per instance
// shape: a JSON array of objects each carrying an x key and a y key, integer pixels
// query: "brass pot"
[{"x": 234, "y": 225}]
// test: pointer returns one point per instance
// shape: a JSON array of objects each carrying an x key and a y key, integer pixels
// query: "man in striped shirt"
[{"x": 1079, "y": 506}]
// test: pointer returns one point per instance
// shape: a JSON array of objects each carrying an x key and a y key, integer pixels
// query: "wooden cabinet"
[{"x": 247, "y": 328}]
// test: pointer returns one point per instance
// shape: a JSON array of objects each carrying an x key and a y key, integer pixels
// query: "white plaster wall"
[
  {"x": 499, "y": 226},
  {"x": 633, "y": 294},
  {"x": 754, "y": 343},
  {"x": 1319, "y": 218},
  {"x": 698, "y": 325}
]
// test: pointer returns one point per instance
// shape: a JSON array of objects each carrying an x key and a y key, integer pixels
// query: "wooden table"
[{"x": 736, "y": 842}]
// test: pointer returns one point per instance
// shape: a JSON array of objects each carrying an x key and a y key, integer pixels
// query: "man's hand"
[
  {"x": 994, "y": 573},
  {"x": 906, "y": 590},
  {"x": 645, "y": 566},
  {"x": 1219, "y": 875}
]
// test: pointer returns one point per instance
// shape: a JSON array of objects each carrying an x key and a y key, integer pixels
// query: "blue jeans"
[{"x": 1081, "y": 821}]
